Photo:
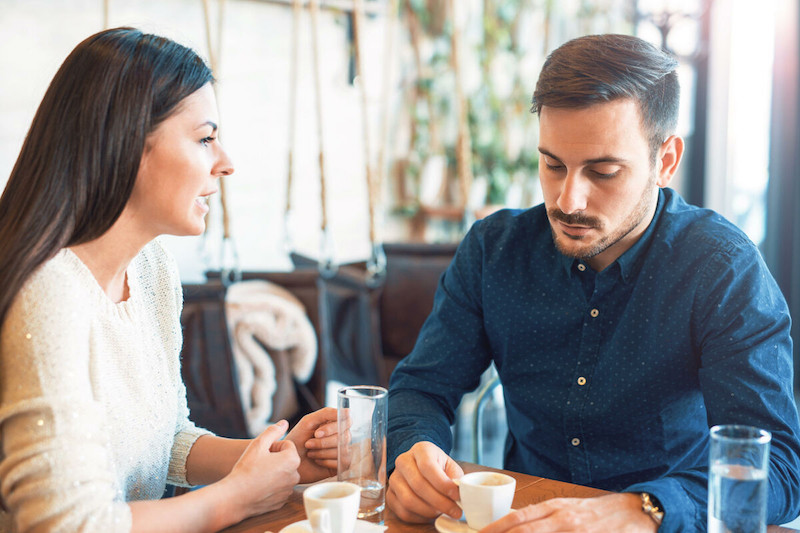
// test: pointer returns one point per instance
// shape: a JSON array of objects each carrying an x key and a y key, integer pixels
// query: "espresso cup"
[
  {"x": 485, "y": 497},
  {"x": 332, "y": 507}
]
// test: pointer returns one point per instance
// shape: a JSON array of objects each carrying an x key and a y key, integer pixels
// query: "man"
[{"x": 622, "y": 321}]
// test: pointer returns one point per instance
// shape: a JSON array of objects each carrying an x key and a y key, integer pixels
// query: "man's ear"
[{"x": 669, "y": 157}]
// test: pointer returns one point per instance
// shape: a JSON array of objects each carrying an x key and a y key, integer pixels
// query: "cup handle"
[
  {"x": 457, "y": 481},
  {"x": 320, "y": 520}
]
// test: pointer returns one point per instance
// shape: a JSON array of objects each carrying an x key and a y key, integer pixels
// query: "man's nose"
[{"x": 574, "y": 194}]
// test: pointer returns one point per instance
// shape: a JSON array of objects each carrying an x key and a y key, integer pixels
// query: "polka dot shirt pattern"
[{"x": 613, "y": 378}]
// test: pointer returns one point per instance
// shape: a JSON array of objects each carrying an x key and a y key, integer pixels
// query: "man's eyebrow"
[
  {"x": 548, "y": 154},
  {"x": 594, "y": 160},
  {"x": 208, "y": 123},
  {"x": 605, "y": 159}
]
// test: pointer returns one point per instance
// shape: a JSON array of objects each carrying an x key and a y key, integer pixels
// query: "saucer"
[
  {"x": 362, "y": 526},
  {"x": 446, "y": 524}
]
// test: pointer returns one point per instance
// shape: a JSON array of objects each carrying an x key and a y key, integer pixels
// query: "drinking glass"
[
  {"x": 361, "y": 414},
  {"x": 737, "y": 482}
]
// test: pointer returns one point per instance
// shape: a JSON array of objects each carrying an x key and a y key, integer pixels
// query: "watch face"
[{"x": 652, "y": 507}]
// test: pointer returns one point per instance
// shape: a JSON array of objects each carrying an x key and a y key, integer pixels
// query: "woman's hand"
[
  {"x": 315, "y": 438},
  {"x": 265, "y": 475}
]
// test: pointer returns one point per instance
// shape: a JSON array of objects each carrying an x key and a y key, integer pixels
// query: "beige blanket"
[{"x": 263, "y": 315}]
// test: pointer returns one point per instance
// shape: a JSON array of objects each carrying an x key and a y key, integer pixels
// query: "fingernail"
[{"x": 282, "y": 424}]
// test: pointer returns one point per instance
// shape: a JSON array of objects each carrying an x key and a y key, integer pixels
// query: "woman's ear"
[{"x": 669, "y": 157}]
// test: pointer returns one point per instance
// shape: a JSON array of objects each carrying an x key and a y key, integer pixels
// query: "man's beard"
[{"x": 606, "y": 241}]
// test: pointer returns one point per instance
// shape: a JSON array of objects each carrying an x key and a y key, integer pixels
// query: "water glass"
[
  {"x": 737, "y": 482},
  {"x": 361, "y": 418}
]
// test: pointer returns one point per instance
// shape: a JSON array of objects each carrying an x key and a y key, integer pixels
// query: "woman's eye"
[
  {"x": 553, "y": 167},
  {"x": 207, "y": 140}
]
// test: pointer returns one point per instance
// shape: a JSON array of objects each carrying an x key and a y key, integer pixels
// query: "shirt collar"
[{"x": 630, "y": 261}]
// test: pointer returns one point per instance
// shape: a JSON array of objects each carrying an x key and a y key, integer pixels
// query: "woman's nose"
[{"x": 224, "y": 166}]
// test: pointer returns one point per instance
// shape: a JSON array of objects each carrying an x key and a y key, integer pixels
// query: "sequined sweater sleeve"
[{"x": 93, "y": 411}]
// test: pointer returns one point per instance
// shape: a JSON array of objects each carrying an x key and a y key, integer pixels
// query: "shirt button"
[
  {"x": 594, "y": 313},
  {"x": 581, "y": 267},
  {"x": 581, "y": 380},
  {"x": 576, "y": 441}
]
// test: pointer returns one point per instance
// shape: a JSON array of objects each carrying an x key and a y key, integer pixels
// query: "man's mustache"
[{"x": 575, "y": 219}]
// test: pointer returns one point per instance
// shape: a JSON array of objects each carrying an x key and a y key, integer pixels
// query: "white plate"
[
  {"x": 446, "y": 524},
  {"x": 362, "y": 526}
]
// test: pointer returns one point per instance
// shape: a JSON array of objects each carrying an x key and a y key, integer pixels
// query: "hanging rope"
[
  {"x": 106, "y": 10},
  {"x": 376, "y": 265},
  {"x": 434, "y": 146},
  {"x": 229, "y": 256},
  {"x": 388, "y": 64},
  {"x": 288, "y": 242},
  {"x": 463, "y": 143},
  {"x": 327, "y": 265},
  {"x": 358, "y": 12}
]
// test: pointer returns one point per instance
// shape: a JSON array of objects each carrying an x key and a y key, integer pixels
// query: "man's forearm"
[{"x": 425, "y": 421}]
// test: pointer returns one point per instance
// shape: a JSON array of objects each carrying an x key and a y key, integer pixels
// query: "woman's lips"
[{"x": 202, "y": 203}]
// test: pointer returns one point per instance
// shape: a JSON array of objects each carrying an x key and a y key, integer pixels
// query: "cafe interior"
[{"x": 367, "y": 137}]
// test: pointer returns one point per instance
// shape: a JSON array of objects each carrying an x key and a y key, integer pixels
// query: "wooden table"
[{"x": 530, "y": 489}]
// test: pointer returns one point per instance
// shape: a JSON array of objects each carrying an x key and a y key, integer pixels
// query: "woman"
[{"x": 93, "y": 414}]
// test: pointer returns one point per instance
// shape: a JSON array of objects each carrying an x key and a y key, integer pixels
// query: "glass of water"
[
  {"x": 361, "y": 413},
  {"x": 737, "y": 483}
]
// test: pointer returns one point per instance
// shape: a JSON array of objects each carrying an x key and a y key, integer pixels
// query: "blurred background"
[{"x": 419, "y": 110}]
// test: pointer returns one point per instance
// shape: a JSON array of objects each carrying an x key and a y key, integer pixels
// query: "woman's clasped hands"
[{"x": 270, "y": 467}]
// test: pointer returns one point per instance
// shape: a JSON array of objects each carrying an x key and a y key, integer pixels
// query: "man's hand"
[
  {"x": 315, "y": 438},
  {"x": 621, "y": 513},
  {"x": 421, "y": 486}
]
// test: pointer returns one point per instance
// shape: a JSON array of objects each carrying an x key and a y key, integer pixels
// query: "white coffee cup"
[
  {"x": 485, "y": 497},
  {"x": 332, "y": 507}
]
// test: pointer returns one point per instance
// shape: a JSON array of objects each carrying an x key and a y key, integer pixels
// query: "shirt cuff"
[{"x": 681, "y": 513}]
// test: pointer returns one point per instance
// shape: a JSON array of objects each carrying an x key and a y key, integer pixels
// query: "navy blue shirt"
[{"x": 611, "y": 379}]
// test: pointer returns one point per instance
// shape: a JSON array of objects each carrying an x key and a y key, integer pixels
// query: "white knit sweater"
[{"x": 92, "y": 409}]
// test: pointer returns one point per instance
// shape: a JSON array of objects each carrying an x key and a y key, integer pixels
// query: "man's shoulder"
[{"x": 690, "y": 229}]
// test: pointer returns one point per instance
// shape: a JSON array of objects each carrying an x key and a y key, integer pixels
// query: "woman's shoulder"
[
  {"x": 156, "y": 271},
  {"x": 57, "y": 295},
  {"x": 63, "y": 277},
  {"x": 155, "y": 259}
]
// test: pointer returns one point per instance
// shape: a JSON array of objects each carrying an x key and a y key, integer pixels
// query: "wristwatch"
[{"x": 652, "y": 507}]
